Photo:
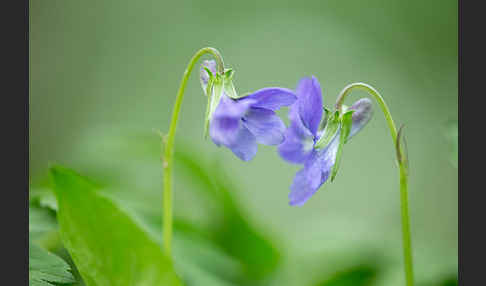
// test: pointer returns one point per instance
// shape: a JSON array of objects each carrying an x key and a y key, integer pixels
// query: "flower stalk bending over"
[
  {"x": 403, "y": 169},
  {"x": 316, "y": 136},
  {"x": 235, "y": 121}
]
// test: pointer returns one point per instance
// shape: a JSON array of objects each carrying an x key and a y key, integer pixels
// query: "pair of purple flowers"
[{"x": 313, "y": 138}]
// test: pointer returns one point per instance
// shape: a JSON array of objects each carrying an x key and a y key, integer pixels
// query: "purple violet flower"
[
  {"x": 307, "y": 126},
  {"x": 239, "y": 123}
]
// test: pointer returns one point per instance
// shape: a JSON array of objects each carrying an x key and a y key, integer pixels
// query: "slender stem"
[
  {"x": 406, "y": 237},
  {"x": 169, "y": 146}
]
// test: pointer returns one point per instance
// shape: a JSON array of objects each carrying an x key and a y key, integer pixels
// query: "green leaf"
[
  {"x": 132, "y": 185},
  {"x": 195, "y": 276},
  {"x": 43, "y": 197},
  {"x": 346, "y": 122},
  {"x": 330, "y": 130},
  {"x": 232, "y": 231},
  {"x": 452, "y": 281},
  {"x": 41, "y": 222},
  {"x": 45, "y": 268},
  {"x": 357, "y": 276},
  {"x": 106, "y": 245},
  {"x": 449, "y": 280},
  {"x": 201, "y": 263}
]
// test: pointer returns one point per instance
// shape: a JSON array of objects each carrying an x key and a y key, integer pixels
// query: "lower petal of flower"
[
  {"x": 226, "y": 122},
  {"x": 267, "y": 127},
  {"x": 306, "y": 182},
  {"x": 224, "y": 130},
  {"x": 245, "y": 147},
  {"x": 316, "y": 171}
]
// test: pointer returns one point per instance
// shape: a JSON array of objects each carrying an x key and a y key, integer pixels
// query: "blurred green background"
[{"x": 103, "y": 75}]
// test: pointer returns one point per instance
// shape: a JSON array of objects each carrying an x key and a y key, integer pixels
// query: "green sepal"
[
  {"x": 331, "y": 128},
  {"x": 324, "y": 120},
  {"x": 346, "y": 123},
  {"x": 214, "y": 90},
  {"x": 244, "y": 94},
  {"x": 229, "y": 87},
  {"x": 344, "y": 108},
  {"x": 229, "y": 73},
  {"x": 208, "y": 90}
]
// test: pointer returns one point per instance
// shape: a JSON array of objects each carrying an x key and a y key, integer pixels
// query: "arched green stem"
[
  {"x": 406, "y": 237},
  {"x": 167, "y": 161}
]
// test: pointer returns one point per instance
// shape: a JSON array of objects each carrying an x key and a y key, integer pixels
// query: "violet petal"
[
  {"x": 310, "y": 103},
  {"x": 245, "y": 146},
  {"x": 316, "y": 171},
  {"x": 363, "y": 111},
  {"x": 265, "y": 125},
  {"x": 203, "y": 74},
  {"x": 298, "y": 144},
  {"x": 272, "y": 98},
  {"x": 226, "y": 121}
]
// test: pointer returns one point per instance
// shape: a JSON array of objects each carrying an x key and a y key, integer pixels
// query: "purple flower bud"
[{"x": 203, "y": 74}]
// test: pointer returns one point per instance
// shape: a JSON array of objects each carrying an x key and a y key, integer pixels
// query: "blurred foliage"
[
  {"x": 357, "y": 276},
  {"x": 233, "y": 232},
  {"x": 41, "y": 222},
  {"x": 215, "y": 243},
  {"x": 107, "y": 247},
  {"x": 452, "y": 136},
  {"x": 449, "y": 281},
  {"x": 229, "y": 247},
  {"x": 104, "y": 73},
  {"x": 46, "y": 268}
]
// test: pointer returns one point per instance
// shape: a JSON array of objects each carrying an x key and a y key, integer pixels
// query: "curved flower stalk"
[
  {"x": 402, "y": 161},
  {"x": 237, "y": 122},
  {"x": 316, "y": 136}
]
